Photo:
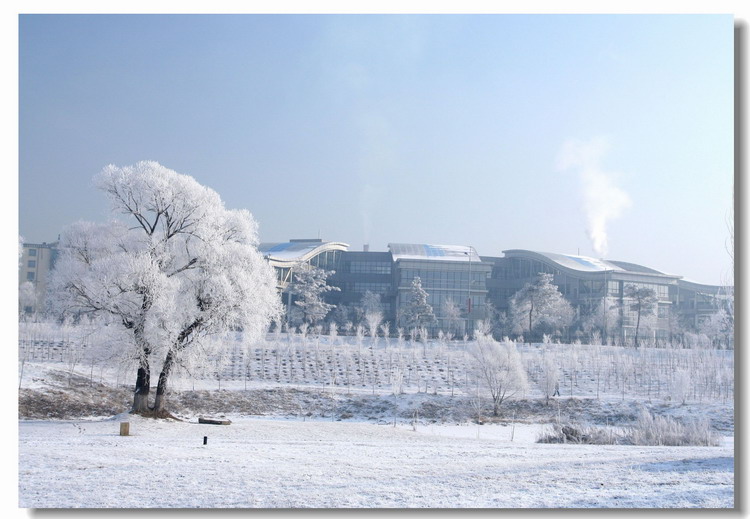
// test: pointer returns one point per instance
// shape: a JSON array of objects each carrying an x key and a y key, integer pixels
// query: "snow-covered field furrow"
[{"x": 270, "y": 463}]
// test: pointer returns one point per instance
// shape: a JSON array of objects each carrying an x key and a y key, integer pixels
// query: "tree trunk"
[
  {"x": 531, "y": 310},
  {"x": 161, "y": 388},
  {"x": 143, "y": 376},
  {"x": 637, "y": 325},
  {"x": 142, "y": 384}
]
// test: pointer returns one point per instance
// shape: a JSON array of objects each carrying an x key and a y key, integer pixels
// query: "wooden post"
[{"x": 124, "y": 428}]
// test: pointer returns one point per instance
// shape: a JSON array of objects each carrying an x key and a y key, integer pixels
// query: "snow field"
[
  {"x": 276, "y": 463},
  {"x": 296, "y": 461}
]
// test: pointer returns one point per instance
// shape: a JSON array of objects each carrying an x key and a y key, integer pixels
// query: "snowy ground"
[
  {"x": 270, "y": 463},
  {"x": 299, "y": 440}
]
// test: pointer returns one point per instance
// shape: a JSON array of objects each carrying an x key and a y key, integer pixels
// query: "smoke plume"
[{"x": 602, "y": 199}]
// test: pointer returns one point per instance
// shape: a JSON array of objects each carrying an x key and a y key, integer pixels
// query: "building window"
[
  {"x": 32, "y": 264},
  {"x": 370, "y": 267},
  {"x": 32, "y": 252},
  {"x": 30, "y": 276}
]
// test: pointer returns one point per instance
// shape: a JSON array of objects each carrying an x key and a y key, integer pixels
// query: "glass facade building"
[
  {"x": 587, "y": 283},
  {"x": 454, "y": 278},
  {"x": 459, "y": 283}
]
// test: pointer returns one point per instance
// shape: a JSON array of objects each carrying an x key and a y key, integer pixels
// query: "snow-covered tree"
[
  {"x": 180, "y": 271},
  {"x": 643, "y": 301},
  {"x": 373, "y": 318},
  {"x": 309, "y": 285},
  {"x": 603, "y": 318},
  {"x": 417, "y": 312},
  {"x": 540, "y": 303},
  {"x": 26, "y": 298},
  {"x": 371, "y": 302},
  {"x": 499, "y": 367},
  {"x": 340, "y": 315},
  {"x": 452, "y": 315},
  {"x": 719, "y": 327},
  {"x": 550, "y": 381}
]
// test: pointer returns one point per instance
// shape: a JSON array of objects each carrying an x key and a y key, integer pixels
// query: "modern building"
[
  {"x": 285, "y": 256},
  {"x": 37, "y": 261},
  {"x": 596, "y": 285},
  {"x": 454, "y": 277},
  {"x": 448, "y": 273},
  {"x": 459, "y": 282}
]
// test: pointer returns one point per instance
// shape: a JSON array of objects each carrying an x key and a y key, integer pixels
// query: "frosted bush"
[
  {"x": 648, "y": 430},
  {"x": 681, "y": 386},
  {"x": 663, "y": 430},
  {"x": 576, "y": 433}
]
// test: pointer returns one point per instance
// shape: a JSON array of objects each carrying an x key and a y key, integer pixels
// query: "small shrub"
[
  {"x": 648, "y": 430},
  {"x": 663, "y": 430},
  {"x": 569, "y": 433}
]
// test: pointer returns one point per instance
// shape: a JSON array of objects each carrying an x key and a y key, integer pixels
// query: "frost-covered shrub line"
[
  {"x": 663, "y": 430},
  {"x": 648, "y": 430},
  {"x": 576, "y": 433}
]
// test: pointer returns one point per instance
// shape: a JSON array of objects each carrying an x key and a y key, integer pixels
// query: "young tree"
[
  {"x": 418, "y": 312},
  {"x": 498, "y": 365},
  {"x": 540, "y": 303},
  {"x": 310, "y": 284},
  {"x": 452, "y": 314},
  {"x": 719, "y": 327},
  {"x": 371, "y": 302},
  {"x": 643, "y": 301},
  {"x": 26, "y": 298},
  {"x": 373, "y": 318},
  {"x": 604, "y": 317},
  {"x": 340, "y": 315},
  {"x": 550, "y": 381},
  {"x": 181, "y": 271}
]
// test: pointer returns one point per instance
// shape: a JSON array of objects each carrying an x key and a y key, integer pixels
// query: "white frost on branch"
[{"x": 179, "y": 270}]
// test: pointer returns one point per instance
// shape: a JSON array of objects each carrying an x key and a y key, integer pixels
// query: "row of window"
[
  {"x": 363, "y": 286},
  {"x": 328, "y": 260},
  {"x": 437, "y": 300},
  {"x": 368, "y": 267},
  {"x": 661, "y": 291},
  {"x": 31, "y": 276},
  {"x": 456, "y": 279}
]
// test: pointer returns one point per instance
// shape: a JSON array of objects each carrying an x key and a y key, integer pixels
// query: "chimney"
[{"x": 366, "y": 247}]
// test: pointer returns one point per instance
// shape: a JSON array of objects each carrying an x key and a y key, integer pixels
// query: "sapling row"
[{"x": 307, "y": 357}]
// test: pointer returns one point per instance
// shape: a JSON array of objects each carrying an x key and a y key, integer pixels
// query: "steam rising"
[{"x": 602, "y": 200}]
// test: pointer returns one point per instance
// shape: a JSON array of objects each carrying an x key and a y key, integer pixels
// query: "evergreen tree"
[
  {"x": 643, "y": 302},
  {"x": 418, "y": 312},
  {"x": 541, "y": 303},
  {"x": 309, "y": 285}
]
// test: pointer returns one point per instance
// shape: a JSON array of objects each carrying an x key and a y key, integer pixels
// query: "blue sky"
[{"x": 445, "y": 129}]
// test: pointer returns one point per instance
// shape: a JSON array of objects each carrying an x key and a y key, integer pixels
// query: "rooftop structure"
[
  {"x": 284, "y": 256},
  {"x": 401, "y": 251}
]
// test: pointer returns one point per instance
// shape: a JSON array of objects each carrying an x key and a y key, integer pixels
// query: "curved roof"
[
  {"x": 586, "y": 264},
  {"x": 579, "y": 263},
  {"x": 281, "y": 254},
  {"x": 703, "y": 288},
  {"x": 423, "y": 251}
]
